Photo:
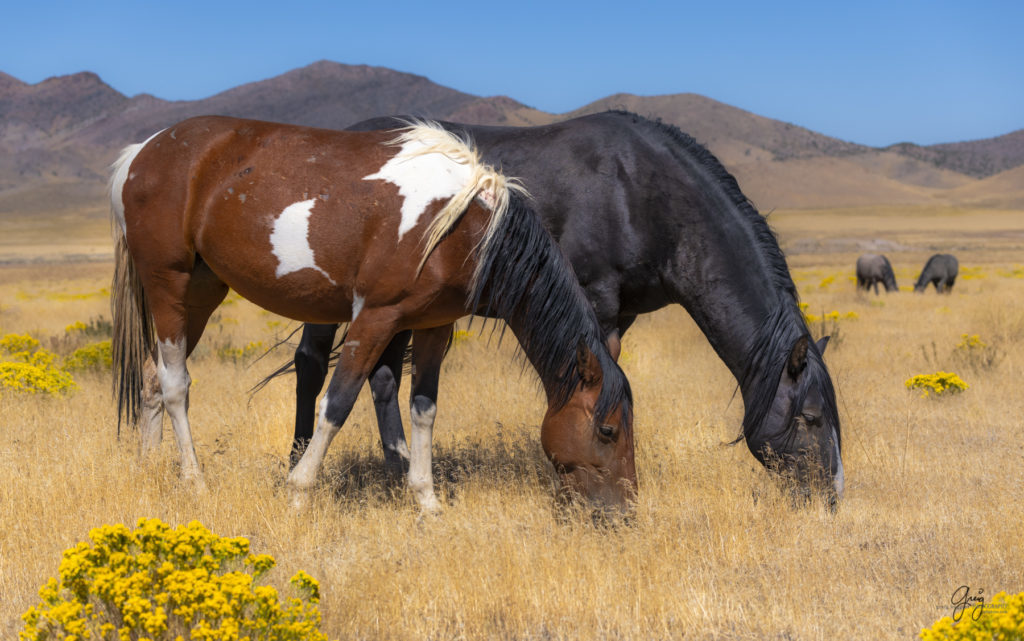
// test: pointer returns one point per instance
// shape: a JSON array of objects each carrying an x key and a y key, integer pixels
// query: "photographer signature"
[{"x": 963, "y": 601}]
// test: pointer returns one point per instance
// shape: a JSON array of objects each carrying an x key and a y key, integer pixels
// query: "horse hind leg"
[
  {"x": 385, "y": 380},
  {"x": 181, "y": 306},
  {"x": 312, "y": 359},
  {"x": 151, "y": 416},
  {"x": 428, "y": 349},
  {"x": 204, "y": 293}
]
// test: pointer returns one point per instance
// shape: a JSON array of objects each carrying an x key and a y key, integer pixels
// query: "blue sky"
[{"x": 870, "y": 72}]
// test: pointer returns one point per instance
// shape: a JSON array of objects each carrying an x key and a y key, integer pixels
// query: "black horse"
[
  {"x": 873, "y": 269},
  {"x": 941, "y": 271},
  {"x": 649, "y": 217}
]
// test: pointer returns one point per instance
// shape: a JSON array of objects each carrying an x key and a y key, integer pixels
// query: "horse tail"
[
  {"x": 132, "y": 340},
  {"x": 484, "y": 182}
]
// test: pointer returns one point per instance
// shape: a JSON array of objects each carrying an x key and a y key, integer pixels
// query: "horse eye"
[
  {"x": 810, "y": 418},
  {"x": 607, "y": 431}
]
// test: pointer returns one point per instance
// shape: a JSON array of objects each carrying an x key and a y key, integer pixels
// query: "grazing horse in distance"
[
  {"x": 392, "y": 232},
  {"x": 649, "y": 218},
  {"x": 873, "y": 269},
  {"x": 941, "y": 271}
]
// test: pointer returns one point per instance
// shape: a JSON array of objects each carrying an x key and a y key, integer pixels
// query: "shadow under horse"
[{"x": 650, "y": 218}]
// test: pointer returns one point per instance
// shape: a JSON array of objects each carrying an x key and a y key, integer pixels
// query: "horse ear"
[
  {"x": 798, "y": 357},
  {"x": 587, "y": 365},
  {"x": 822, "y": 344}
]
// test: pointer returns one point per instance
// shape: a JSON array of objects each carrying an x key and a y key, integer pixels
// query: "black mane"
[
  {"x": 525, "y": 275},
  {"x": 695, "y": 155}
]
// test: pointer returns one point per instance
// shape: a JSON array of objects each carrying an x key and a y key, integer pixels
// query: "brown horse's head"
[{"x": 590, "y": 445}]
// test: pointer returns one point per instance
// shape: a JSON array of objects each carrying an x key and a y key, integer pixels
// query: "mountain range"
[{"x": 58, "y": 136}]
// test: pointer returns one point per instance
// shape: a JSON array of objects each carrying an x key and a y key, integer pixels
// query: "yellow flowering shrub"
[
  {"x": 461, "y": 336},
  {"x": 95, "y": 328},
  {"x": 18, "y": 344},
  {"x": 975, "y": 353},
  {"x": 95, "y": 356},
  {"x": 939, "y": 383},
  {"x": 827, "y": 324},
  {"x": 26, "y": 367},
  {"x": 971, "y": 273},
  {"x": 1000, "y": 620},
  {"x": 826, "y": 317},
  {"x": 169, "y": 584},
  {"x": 239, "y": 355},
  {"x": 75, "y": 327}
]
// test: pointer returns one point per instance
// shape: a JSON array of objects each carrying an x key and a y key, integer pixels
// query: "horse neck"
[
  {"x": 737, "y": 282},
  {"x": 736, "y": 320}
]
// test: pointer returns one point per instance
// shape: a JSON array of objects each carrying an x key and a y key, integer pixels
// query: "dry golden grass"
[{"x": 934, "y": 485}]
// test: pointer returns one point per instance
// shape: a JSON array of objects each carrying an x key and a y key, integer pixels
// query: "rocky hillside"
[{"x": 58, "y": 136}]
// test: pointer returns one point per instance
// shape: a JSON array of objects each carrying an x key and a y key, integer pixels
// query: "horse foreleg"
[
  {"x": 366, "y": 340},
  {"x": 427, "y": 353},
  {"x": 311, "y": 360},
  {"x": 385, "y": 381}
]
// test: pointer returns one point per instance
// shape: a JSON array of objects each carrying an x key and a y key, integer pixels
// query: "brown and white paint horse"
[{"x": 389, "y": 234}]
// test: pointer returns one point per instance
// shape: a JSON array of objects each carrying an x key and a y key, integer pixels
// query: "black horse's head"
[{"x": 795, "y": 430}]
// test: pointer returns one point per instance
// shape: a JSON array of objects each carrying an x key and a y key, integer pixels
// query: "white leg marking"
[
  {"x": 290, "y": 240},
  {"x": 421, "y": 479},
  {"x": 357, "y": 305},
  {"x": 174, "y": 384},
  {"x": 303, "y": 475},
  {"x": 421, "y": 179}
]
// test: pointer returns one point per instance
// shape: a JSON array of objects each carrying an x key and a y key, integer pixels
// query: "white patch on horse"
[
  {"x": 357, "y": 304},
  {"x": 421, "y": 479},
  {"x": 421, "y": 179},
  {"x": 290, "y": 240},
  {"x": 322, "y": 418},
  {"x": 120, "y": 175}
]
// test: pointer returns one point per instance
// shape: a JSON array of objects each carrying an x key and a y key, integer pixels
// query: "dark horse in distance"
[
  {"x": 940, "y": 271},
  {"x": 873, "y": 269},
  {"x": 650, "y": 218}
]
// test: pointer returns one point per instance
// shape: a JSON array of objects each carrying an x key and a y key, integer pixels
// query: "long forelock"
[{"x": 770, "y": 355}]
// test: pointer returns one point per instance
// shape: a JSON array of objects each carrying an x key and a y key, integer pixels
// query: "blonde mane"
[{"x": 491, "y": 187}]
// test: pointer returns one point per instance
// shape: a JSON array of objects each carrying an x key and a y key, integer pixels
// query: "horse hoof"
[
  {"x": 195, "y": 481},
  {"x": 429, "y": 506},
  {"x": 298, "y": 497}
]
